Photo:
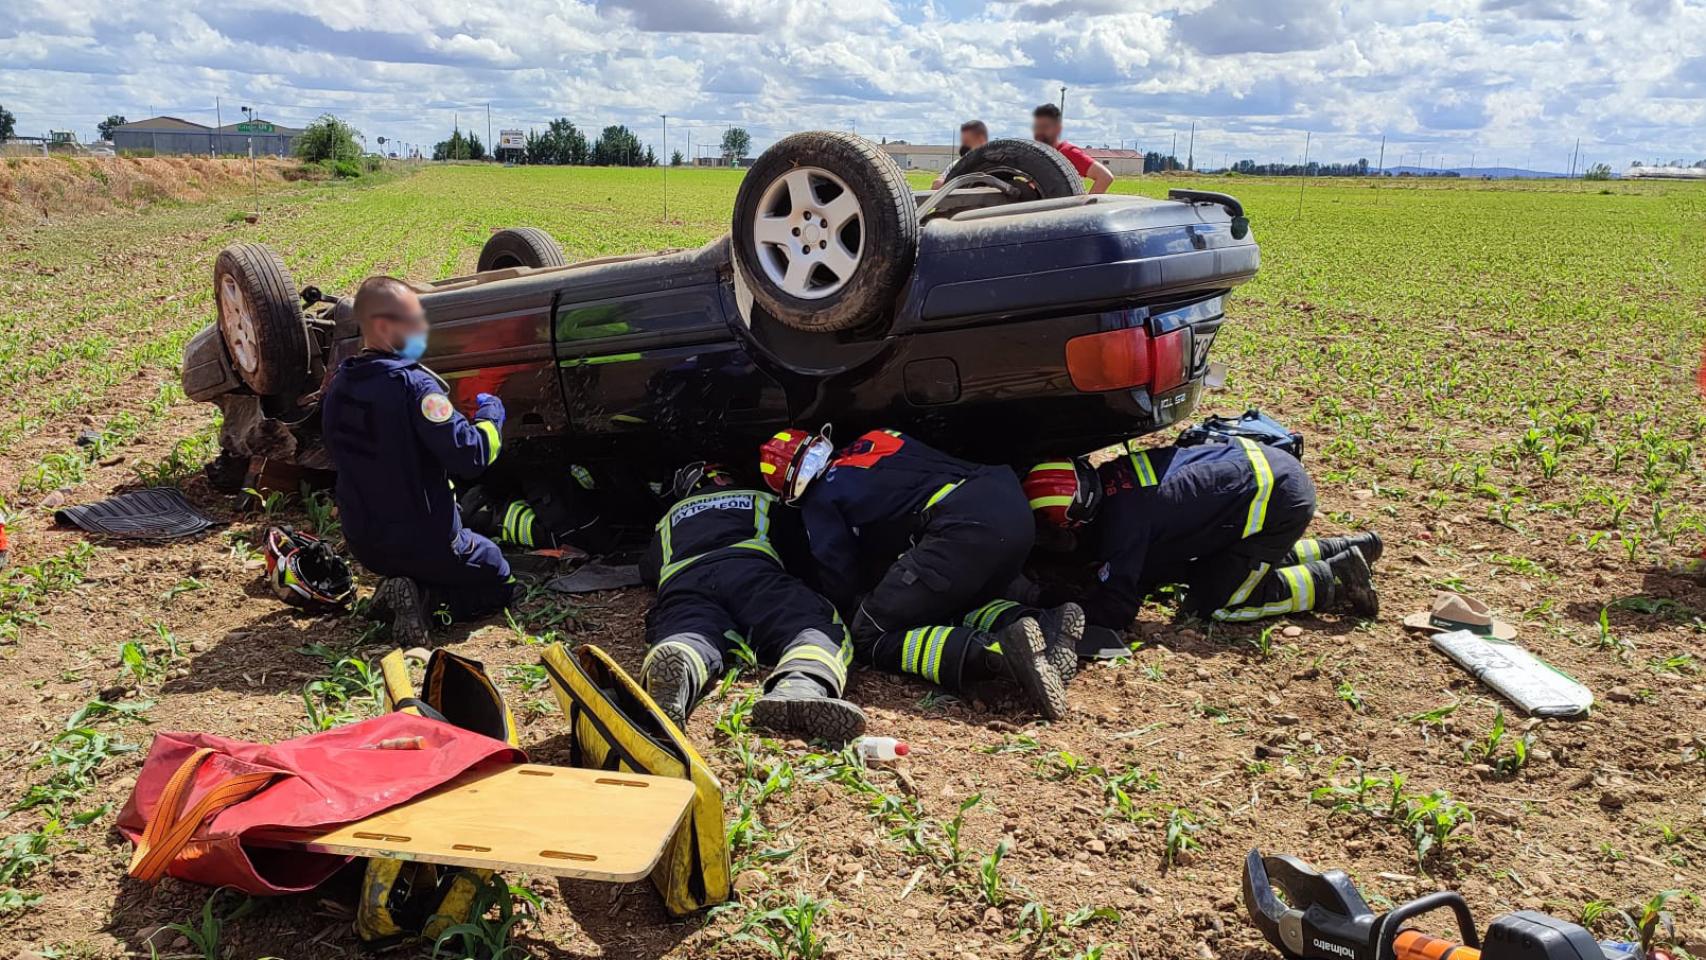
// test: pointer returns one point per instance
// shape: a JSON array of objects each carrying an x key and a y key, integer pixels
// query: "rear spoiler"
[{"x": 1234, "y": 209}]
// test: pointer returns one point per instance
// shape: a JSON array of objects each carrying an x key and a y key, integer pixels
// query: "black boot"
[
  {"x": 400, "y": 602},
  {"x": 1025, "y": 651},
  {"x": 1353, "y": 584},
  {"x": 672, "y": 682},
  {"x": 800, "y": 705},
  {"x": 1369, "y": 544},
  {"x": 1063, "y": 627}
]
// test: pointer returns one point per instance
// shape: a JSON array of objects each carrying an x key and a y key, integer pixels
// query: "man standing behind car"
[
  {"x": 973, "y": 134},
  {"x": 398, "y": 443},
  {"x": 1045, "y": 128}
]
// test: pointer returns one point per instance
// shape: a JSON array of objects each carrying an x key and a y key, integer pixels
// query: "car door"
[
  {"x": 645, "y": 352},
  {"x": 496, "y": 338}
]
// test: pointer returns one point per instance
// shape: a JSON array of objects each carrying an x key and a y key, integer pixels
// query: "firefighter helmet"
[
  {"x": 303, "y": 570},
  {"x": 792, "y": 459},
  {"x": 1065, "y": 493}
]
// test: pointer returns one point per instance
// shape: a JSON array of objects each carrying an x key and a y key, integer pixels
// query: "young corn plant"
[
  {"x": 206, "y": 935},
  {"x": 792, "y": 931},
  {"x": 1179, "y": 835},
  {"x": 1488, "y": 749},
  {"x": 990, "y": 887},
  {"x": 486, "y": 935}
]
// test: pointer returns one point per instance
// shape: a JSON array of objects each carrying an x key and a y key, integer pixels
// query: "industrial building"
[{"x": 171, "y": 135}]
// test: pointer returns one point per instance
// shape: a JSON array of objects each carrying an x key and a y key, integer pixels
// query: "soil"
[{"x": 1235, "y": 739}]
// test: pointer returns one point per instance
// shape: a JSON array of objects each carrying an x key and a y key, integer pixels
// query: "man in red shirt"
[{"x": 1045, "y": 128}]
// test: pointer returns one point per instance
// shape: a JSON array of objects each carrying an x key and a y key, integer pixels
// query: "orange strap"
[
  {"x": 1415, "y": 945},
  {"x": 166, "y": 834}
]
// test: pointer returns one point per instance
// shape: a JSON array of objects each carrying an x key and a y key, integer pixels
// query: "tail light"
[{"x": 1126, "y": 358}]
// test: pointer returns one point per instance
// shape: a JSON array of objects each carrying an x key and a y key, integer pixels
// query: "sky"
[{"x": 1493, "y": 81}]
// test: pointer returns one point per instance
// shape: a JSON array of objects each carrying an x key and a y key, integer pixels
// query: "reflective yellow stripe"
[
  {"x": 761, "y": 517},
  {"x": 767, "y": 468},
  {"x": 1054, "y": 465},
  {"x": 912, "y": 649},
  {"x": 1143, "y": 468},
  {"x": 784, "y": 436},
  {"x": 762, "y": 546},
  {"x": 494, "y": 441},
  {"x": 1307, "y": 549},
  {"x": 984, "y": 616},
  {"x": 1243, "y": 592},
  {"x": 936, "y": 497},
  {"x": 1304, "y": 596},
  {"x": 837, "y": 669},
  {"x": 933, "y": 657},
  {"x": 1038, "y": 503},
  {"x": 1264, "y": 486},
  {"x": 524, "y": 526}
]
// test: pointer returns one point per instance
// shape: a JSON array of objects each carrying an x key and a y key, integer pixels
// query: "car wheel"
[
  {"x": 825, "y": 232},
  {"x": 521, "y": 247},
  {"x": 260, "y": 319},
  {"x": 1038, "y": 169}
]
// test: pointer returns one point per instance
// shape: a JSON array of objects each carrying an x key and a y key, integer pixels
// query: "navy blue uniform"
[
  {"x": 971, "y": 530},
  {"x": 716, "y": 564},
  {"x": 1217, "y": 517},
  {"x": 398, "y": 443}
]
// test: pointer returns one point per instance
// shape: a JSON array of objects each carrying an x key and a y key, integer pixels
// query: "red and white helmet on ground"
[
  {"x": 304, "y": 571},
  {"x": 1064, "y": 493},
  {"x": 792, "y": 459}
]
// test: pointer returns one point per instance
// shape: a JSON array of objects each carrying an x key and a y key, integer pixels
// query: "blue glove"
[{"x": 490, "y": 408}]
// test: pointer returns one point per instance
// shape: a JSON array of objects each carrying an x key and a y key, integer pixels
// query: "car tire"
[
  {"x": 1037, "y": 168},
  {"x": 521, "y": 247},
  {"x": 845, "y": 274},
  {"x": 260, "y": 319}
]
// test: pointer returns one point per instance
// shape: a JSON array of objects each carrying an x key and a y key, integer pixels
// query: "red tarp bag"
[{"x": 198, "y": 795}]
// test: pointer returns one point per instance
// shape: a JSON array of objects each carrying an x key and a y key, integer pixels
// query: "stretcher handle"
[
  {"x": 1391, "y": 923},
  {"x": 168, "y": 831}
]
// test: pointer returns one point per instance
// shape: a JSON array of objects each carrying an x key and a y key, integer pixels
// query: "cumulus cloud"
[{"x": 1508, "y": 78}]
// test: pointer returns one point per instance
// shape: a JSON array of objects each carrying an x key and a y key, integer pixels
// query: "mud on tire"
[
  {"x": 1038, "y": 169},
  {"x": 260, "y": 319},
  {"x": 825, "y": 232},
  {"x": 521, "y": 247}
]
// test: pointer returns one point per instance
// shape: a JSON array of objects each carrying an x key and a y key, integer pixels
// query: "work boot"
[
  {"x": 400, "y": 602},
  {"x": 672, "y": 683},
  {"x": 800, "y": 705},
  {"x": 1063, "y": 627},
  {"x": 1353, "y": 584},
  {"x": 1369, "y": 543},
  {"x": 1026, "y": 652}
]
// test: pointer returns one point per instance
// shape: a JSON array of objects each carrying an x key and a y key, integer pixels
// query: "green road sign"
[{"x": 257, "y": 126}]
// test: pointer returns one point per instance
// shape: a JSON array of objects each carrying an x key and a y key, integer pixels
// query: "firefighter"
[
  {"x": 970, "y": 534},
  {"x": 718, "y": 572},
  {"x": 398, "y": 442},
  {"x": 543, "y": 510},
  {"x": 1223, "y": 518}
]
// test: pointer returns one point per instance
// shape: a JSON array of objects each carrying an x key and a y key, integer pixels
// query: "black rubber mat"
[
  {"x": 158, "y": 513},
  {"x": 596, "y": 576}
]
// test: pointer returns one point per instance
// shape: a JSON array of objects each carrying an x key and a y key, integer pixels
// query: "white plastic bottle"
[{"x": 881, "y": 748}]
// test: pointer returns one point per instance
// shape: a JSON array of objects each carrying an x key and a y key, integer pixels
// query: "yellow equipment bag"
[
  {"x": 402, "y": 898},
  {"x": 615, "y": 726}
]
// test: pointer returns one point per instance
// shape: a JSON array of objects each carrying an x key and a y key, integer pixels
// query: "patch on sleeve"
[
  {"x": 436, "y": 407},
  {"x": 1103, "y": 572}
]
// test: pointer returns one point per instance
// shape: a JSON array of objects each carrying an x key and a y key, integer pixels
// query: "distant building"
[
  {"x": 1665, "y": 173},
  {"x": 938, "y": 157},
  {"x": 170, "y": 135}
]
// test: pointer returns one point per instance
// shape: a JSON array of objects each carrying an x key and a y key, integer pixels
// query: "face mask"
[{"x": 414, "y": 345}]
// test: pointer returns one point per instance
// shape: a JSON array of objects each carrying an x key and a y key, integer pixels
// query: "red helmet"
[
  {"x": 793, "y": 458},
  {"x": 1064, "y": 493}
]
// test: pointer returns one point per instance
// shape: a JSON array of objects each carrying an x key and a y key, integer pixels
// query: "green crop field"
[{"x": 1500, "y": 378}]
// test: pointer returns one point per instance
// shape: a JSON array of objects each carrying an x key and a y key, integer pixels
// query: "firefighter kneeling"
[
  {"x": 719, "y": 575},
  {"x": 1225, "y": 519}
]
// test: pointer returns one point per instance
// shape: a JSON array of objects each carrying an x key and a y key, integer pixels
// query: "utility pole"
[
  {"x": 665, "y": 117},
  {"x": 1063, "y": 103},
  {"x": 488, "y": 125},
  {"x": 1383, "y": 155},
  {"x": 1173, "y": 152},
  {"x": 1574, "y": 153},
  {"x": 1191, "y": 151},
  {"x": 1303, "y": 176},
  {"x": 213, "y": 147}
]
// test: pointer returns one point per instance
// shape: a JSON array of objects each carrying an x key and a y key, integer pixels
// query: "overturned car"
[{"x": 1004, "y": 317}]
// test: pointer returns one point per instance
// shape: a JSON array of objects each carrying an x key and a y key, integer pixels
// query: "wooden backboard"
[{"x": 559, "y": 821}]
